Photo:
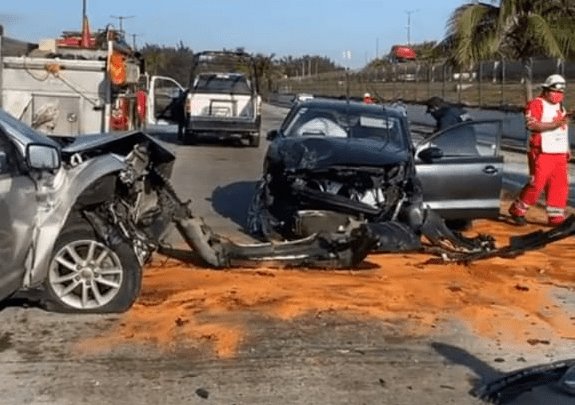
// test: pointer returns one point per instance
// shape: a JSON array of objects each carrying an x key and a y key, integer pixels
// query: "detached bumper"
[
  {"x": 344, "y": 249},
  {"x": 211, "y": 124}
]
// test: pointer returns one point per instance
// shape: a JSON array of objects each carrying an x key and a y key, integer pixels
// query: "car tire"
[
  {"x": 254, "y": 140},
  {"x": 77, "y": 283}
]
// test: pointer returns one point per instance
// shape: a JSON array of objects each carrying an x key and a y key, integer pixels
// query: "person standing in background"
[
  {"x": 367, "y": 99},
  {"x": 548, "y": 154}
]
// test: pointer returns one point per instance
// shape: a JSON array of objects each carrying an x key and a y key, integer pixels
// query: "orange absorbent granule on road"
[{"x": 503, "y": 299}]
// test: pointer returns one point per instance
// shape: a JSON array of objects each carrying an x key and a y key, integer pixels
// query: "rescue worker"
[
  {"x": 548, "y": 154},
  {"x": 447, "y": 115},
  {"x": 367, "y": 99}
]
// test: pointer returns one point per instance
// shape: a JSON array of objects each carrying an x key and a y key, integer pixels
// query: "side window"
[
  {"x": 471, "y": 138},
  {"x": 8, "y": 161}
]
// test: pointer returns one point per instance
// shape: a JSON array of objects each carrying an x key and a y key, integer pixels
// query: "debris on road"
[{"x": 395, "y": 289}]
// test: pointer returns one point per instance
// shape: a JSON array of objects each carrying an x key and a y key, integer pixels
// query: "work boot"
[
  {"x": 555, "y": 220},
  {"x": 518, "y": 220},
  {"x": 517, "y": 212}
]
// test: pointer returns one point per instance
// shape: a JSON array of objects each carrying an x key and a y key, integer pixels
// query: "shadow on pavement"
[
  {"x": 172, "y": 138},
  {"x": 21, "y": 300},
  {"x": 546, "y": 393},
  {"x": 233, "y": 200}
]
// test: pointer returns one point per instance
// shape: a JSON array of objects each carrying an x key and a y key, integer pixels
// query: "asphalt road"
[{"x": 307, "y": 361}]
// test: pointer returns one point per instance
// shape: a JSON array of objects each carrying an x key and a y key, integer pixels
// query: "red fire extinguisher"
[
  {"x": 141, "y": 104},
  {"x": 120, "y": 113}
]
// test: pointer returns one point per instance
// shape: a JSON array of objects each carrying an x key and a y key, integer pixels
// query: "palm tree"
[{"x": 514, "y": 29}]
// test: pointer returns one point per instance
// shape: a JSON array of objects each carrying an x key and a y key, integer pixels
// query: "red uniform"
[{"x": 548, "y": 156}]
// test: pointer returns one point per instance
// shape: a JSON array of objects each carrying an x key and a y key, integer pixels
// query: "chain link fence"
[{"x": 491, "y": 84}]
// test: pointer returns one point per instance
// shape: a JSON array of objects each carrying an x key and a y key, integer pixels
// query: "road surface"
[{"x": 315, "y": 358}]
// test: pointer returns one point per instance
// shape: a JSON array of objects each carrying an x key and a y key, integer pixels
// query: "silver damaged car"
[{"x": 78, "y": 215}]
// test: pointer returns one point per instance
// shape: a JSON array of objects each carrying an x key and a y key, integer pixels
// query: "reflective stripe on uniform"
[{"x": 555, "y": 212}]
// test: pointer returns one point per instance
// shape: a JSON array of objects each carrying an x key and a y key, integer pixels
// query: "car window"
[
  {"x": 332, "y": 123},
  {"x": 222, "y": 84},
  {"x": 8, "y": 161},
  {"x": 471, "y": 138},
  {"x": 379, "y": 128}
]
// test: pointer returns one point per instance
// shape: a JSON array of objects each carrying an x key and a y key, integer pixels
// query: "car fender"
[{"x": 53, "y": 214}]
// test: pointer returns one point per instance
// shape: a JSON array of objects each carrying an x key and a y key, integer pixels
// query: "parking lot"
[{"x": 397, "y": 330}]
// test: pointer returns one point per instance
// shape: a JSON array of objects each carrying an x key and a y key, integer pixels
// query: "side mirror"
[
  {"x": 273, "y": 134},
  {"x": 42, "y": 157},
  {"x": 430, "y": 154}
]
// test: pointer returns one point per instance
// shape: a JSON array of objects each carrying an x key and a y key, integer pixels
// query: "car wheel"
[
  {"x": 87, "y": 276},
  {"x": 254, "y": 140}
]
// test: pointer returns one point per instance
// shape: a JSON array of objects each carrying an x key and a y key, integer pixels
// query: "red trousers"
[{"x": 548, "y": 173}]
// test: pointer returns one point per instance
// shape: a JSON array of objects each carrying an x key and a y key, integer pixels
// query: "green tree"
[{"x": 513, "y": 29}]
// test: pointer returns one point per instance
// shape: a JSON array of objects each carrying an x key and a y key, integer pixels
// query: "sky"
[{"x": 350, "y": 32}]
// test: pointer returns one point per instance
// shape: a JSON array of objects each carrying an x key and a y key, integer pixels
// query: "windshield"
[
  {"x": 20, "y": 132},
  {"x": 343, "y": 124},
  {"x": 222, "y": 83}
]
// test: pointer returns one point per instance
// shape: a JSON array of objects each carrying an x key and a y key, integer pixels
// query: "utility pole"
[
  {"x": 121, "y": 19},
  {"x": 134, "y": 40},
  {"x": 376, "y": 48},
  {"x": 409, "y": 13}
]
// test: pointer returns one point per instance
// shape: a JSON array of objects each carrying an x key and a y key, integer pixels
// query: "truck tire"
[
  {"x": 254, "y": 140},
  {"x": 86, "y": 275}
]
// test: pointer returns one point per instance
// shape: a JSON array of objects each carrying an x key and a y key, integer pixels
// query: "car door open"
[
  {"x": 461, "y": 170},
  {"x": 165, "y": 96}
]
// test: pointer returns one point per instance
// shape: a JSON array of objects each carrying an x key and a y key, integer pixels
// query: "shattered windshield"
[{"x": 343, "y": 124}]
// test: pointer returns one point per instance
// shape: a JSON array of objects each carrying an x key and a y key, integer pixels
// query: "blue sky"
[{"x": 286, "y": 27}]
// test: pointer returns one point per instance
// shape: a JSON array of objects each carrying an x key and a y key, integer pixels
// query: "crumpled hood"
[
  {"x": 119, "y": 143},
  {"x": 322, "y": 152}
]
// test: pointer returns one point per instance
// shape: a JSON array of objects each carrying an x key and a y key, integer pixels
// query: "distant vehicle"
[
  {"x": 402, "y": 53},
  {"x": 331, "y": 159},
  {"x": 220, "y": 100},
  {"x": 303, "y": 97}
]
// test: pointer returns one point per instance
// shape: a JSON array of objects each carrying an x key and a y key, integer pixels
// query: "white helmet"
[
  {"x": 554, "y": 82},
  {"x": 366, "y": 95}
]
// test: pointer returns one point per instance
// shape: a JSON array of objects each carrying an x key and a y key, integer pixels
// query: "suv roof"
[{"x": 354, "y": 106}]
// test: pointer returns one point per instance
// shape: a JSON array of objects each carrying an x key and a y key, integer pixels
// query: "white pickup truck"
[{"x": 219, "y": 102}]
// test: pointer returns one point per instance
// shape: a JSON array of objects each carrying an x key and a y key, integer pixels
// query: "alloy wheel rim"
[{"x": 86, "y": 274}]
